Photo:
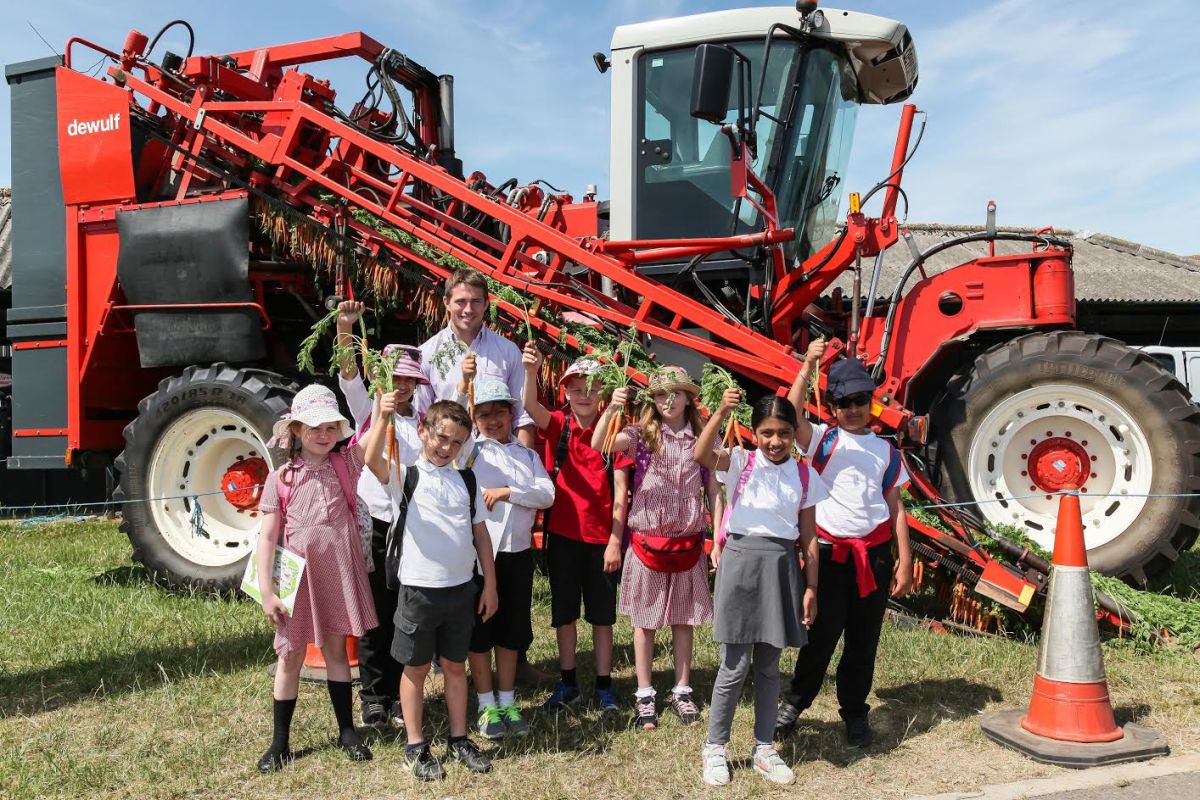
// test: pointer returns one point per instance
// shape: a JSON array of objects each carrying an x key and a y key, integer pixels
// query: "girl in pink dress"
[
  {"x": 665, "y": 581},
  {"x": 307, "y": 511}
]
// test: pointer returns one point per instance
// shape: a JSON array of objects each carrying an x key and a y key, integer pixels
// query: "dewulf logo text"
[{"x": 110, "y": 123}]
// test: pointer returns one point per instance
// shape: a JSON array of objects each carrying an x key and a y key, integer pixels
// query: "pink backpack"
[
  {"x": 361, "y": 513},
  {"x": 723, "y": 528}
]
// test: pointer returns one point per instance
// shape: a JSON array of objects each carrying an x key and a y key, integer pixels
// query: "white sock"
[
  {"x": 682, "y": 688},
  {"x": 508, "y": 698},
  {"x": 487, "y": 699},
  {"x": 643, "y": 693}
]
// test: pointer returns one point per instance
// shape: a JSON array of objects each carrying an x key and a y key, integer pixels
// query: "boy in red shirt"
[{"x": 583, "y": 542}]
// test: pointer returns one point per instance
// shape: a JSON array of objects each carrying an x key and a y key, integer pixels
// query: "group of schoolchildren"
[{"x": 804, "y": 554}]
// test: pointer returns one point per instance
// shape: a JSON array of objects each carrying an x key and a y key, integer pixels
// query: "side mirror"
[{"x": 712, "y": 78}]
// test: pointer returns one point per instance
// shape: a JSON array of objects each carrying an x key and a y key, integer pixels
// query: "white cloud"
[{"x": 1076, "y": 114}]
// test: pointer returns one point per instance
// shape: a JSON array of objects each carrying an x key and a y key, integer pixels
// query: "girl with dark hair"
[
  {"x": 762, "y": 604},
  {"x": 666, "y": 582}
]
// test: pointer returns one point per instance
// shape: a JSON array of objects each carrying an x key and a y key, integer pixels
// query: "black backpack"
[{"x": 395, "y": 535}]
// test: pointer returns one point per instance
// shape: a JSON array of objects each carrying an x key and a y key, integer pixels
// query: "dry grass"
[{"x": 112, "y": 687}]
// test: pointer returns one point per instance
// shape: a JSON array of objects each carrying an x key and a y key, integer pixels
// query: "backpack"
[
  {"x": 362, "y": 514},
  {"x": 723, "y": 529},
  {"x": 828, "y": 444},
  {"x": 395, "y": 534}
]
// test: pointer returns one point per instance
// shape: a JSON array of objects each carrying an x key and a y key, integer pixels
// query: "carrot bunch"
[
  {"x": 714, "y": 381},
  {"x": 378, "y": 370},
  {"x": 613, "y": 375}
]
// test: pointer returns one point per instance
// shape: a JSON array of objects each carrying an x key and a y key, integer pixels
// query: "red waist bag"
[{"x": 668, "y": 553}]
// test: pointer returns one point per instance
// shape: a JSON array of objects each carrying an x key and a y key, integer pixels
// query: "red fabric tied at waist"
[{"x": 845, "y": 546}]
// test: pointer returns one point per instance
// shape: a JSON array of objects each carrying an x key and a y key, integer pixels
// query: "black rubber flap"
[{"x": 193, "y": 253}]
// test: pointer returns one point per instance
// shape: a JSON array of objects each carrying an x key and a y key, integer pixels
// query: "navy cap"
[{"x": 848, "y": 376}]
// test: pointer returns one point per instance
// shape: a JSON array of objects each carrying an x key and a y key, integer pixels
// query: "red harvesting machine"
[{"x": 180, "y": 223}]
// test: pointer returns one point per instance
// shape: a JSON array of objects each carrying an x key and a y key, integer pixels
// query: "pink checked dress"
[
  {"x": 334, "y": 596},
  {"x": 669, "y": 502}
]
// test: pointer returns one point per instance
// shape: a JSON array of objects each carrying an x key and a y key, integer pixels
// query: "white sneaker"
[
  {"x": 768, "y": 764},
  {"x": 716, "y": 768}
]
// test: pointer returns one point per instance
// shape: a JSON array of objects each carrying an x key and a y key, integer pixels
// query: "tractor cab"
[{"x": 671, "y": 171}]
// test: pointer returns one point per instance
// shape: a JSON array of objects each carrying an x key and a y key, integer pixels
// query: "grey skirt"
[{"x": 759, "y": 593}]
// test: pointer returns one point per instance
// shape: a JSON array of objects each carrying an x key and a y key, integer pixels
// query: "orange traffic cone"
[
  {"x": 1070, "y": 719},
  {"x": 314, "y": 662}
]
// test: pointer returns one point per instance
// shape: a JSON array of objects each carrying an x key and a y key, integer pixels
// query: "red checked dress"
[
  {"x": 334, "y": 597},
  {"x": 669, "y": 502}
]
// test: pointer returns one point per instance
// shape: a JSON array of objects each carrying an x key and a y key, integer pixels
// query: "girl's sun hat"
[
  {"x": 491, "y": 390},
  {"x": 313, "y": 405},
  {"x": 408, "y": 362},
  {"x": 671, "y": 379}
]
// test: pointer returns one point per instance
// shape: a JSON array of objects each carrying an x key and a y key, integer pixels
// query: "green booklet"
[{"x": 289, "y": 569}]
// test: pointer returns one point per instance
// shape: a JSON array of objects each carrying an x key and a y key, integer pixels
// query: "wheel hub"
[
  {"x": 1057, "y": 462},
  {"x": 242, "y": 482}
]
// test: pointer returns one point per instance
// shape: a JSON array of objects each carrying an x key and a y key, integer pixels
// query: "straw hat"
[
  {"x": 313, "y": 405},
  {"x": 670, "y": 379},
  {"x": 408, "y": 362}
]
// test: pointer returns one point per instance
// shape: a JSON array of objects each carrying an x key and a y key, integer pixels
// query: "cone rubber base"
[{"x": 1138, "y": 743}]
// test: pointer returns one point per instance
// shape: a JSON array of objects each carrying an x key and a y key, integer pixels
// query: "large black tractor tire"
[
  {"x": 185, "y": 441},
  {"x": 1048, "y": 409}
]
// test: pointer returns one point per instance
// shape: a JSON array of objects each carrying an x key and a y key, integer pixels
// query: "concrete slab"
[{"x": 1148, "y": 780}]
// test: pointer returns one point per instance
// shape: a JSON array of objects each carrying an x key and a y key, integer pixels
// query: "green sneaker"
[
  {"x": 490, "y": 724},
  {"x": 512, "y": 720}
]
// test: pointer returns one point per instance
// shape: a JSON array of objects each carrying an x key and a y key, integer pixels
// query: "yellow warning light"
[{"x": 855, "y": 203}]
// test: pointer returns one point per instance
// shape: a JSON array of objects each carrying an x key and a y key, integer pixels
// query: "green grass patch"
[{"x": 111, "y": 686}]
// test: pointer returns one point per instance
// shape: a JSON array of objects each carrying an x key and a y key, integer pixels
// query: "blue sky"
[{"x": 1077, "y": 113}]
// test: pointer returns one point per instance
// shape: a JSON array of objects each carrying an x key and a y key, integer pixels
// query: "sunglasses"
[{"x": 854, "y": 400}]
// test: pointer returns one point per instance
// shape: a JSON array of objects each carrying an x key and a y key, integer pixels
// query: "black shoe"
[
  {"x": 355, "y": 748},
  {"x": 464, "y": 750},
  {"x": 423, "y": 764},
  {"x": 858, "y": 732},
  {"x": 273, "y": 760},
  {"x": 374, "y": 715},
  {"x": 785, "y": 720}
]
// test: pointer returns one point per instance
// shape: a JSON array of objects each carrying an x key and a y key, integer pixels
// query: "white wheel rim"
[
  {"x": 189, "y": 461},
  {"x": 1054, "y": 424}
]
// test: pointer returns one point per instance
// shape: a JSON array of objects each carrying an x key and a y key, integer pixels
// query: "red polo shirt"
[{"x": 582, "y": 507}]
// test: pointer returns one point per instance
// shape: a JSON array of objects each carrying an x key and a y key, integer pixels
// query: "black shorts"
[
  {"x": 511, "y": 627},
  {"x": 433, "y": 620},
  {"x": 576, "y": 571}
]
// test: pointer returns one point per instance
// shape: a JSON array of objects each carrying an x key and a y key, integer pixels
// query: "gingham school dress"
[
  {"x": 334, "y": 596},
  {"x": 669, "y": 502}
]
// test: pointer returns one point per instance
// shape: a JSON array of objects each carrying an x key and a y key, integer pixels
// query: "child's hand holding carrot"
[
  {"x": 730, "y": 400},
  {"x": 531, "y": 358}
]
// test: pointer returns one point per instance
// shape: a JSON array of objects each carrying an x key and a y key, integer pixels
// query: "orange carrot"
[{"x": 391, "y": 441}]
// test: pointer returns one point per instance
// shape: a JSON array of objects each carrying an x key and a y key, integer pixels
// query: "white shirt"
[
  {"x": 408, "y": 443},
  {"x": 854, "y": 477},
  {"x": 772, "y": 498},
  {"x": 438, "y": 549},
  {"x": 514, "y": 465},
  {"x": 495, "y": 357}
]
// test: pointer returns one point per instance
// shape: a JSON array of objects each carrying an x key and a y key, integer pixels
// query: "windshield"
[{"x": 683, "y": 177}]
